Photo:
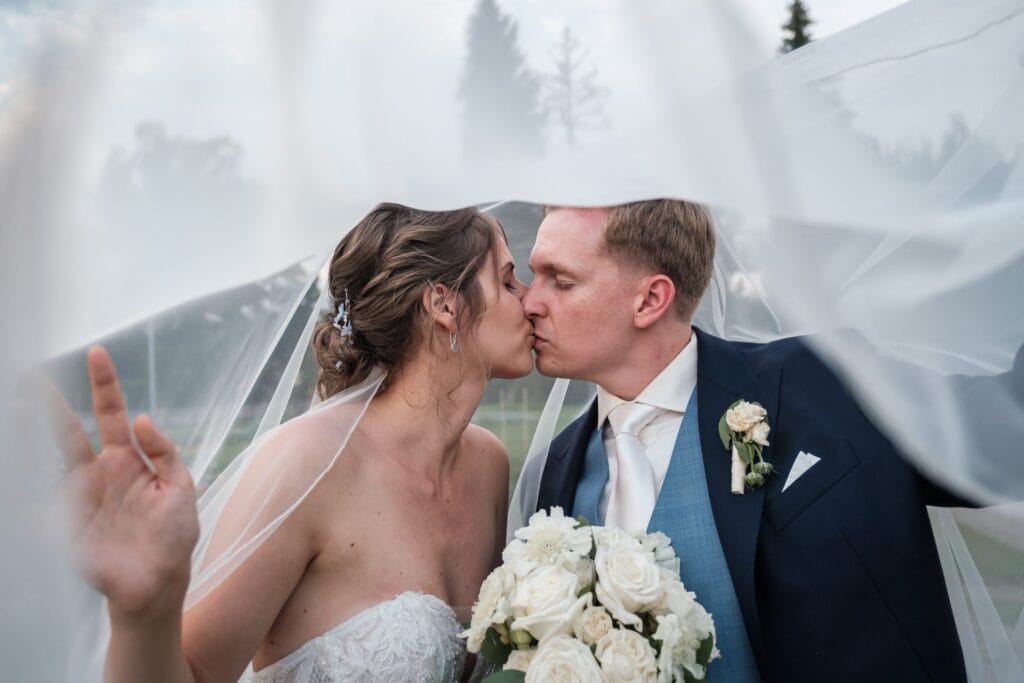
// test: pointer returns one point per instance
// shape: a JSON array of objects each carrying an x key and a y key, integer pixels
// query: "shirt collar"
[{"x": 670, "y": 390}]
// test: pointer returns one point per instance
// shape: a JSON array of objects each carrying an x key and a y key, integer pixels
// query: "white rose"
[
  {"x": 625, "y": 656},
  {"x": 548, "y": 540},
  {"x": 561, "y": 659},
  {"x": 545, "y": 602},
  {"x": 759, "y": 433},
  {"x": 744, "y": 415},
  {"x": 592, "y": 625},
  {"x": 628, "y": 580},
  {"x": 519, "y": 660},
  {"x": 491, "y": 607}
]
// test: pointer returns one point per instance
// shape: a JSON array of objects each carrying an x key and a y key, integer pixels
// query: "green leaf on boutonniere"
[
  {"x": 510, "y": 676},
  {"x": 723, "y": 432},
  {"x": 746, "y": 452},
  {"x": 582, "y": 520},
  {"x": 493, "y": 650}
]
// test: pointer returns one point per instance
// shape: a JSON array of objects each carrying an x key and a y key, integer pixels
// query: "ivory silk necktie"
[{"x": 633, "y": 491}]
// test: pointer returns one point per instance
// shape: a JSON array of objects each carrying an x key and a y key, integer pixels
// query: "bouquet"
[{"x": 572, "y": 602}]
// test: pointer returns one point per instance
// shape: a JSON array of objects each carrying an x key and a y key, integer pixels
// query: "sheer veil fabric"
[{"x": 868, "y": 190}]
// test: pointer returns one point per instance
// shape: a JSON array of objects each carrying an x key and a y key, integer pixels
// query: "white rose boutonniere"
[{"x": 744, "y": 431}]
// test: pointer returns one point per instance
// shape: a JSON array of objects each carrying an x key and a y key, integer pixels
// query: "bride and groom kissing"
[{"x": 352, "y": 538}]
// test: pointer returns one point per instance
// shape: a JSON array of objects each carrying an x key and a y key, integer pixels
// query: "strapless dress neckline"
[{"x": 411, "y": 637}]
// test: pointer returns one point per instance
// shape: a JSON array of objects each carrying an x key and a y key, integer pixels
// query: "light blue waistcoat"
[{"x": 683, "y": 513}]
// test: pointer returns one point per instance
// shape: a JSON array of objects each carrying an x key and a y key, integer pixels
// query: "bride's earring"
[{"x": 453, "y": 341}]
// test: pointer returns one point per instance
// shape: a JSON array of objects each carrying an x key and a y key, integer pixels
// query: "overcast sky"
[{"x": 330, "y": 98}]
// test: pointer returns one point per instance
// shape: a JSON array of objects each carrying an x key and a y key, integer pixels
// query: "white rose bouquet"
[{"x": 572, "y": 602}]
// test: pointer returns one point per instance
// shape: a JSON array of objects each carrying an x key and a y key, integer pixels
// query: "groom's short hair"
[{"x": 669, "y": 236}]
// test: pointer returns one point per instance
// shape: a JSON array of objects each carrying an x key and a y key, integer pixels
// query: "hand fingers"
[
  {"x": 159, "y": 449},
  {"x": 107, "y": 399}
]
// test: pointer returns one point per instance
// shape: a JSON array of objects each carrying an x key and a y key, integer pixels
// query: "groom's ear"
[
  {"x": 439, "y": 303},
  {"x": 656, "y": 297}
]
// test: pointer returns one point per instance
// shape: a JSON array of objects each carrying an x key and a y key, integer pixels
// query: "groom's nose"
[{"x": 531, "y": 301}]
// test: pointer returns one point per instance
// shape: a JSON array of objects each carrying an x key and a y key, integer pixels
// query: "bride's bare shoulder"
[
  {"x": 306, "y": 445},
  {"x": 487, "y": 452}
]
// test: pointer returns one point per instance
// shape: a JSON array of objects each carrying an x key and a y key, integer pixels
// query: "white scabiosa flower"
[{"x": 548, "y": 540}]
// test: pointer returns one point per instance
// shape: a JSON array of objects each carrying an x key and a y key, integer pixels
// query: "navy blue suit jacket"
[{"x": 838, "y": 577}]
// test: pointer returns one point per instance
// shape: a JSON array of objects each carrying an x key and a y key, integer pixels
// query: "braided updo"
[{"x": 385, "y": 263}]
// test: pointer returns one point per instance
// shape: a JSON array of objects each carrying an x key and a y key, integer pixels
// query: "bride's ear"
[{"x": 439, "y": 303}]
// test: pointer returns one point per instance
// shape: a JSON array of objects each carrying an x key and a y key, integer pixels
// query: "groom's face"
[{"x": 580, "y": 300}]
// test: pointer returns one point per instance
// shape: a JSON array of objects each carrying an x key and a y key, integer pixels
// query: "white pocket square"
[{"x": 803, "y": 462}]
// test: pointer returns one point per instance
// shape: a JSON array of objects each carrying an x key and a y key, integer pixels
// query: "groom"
[{"x": 827, "y": 572}]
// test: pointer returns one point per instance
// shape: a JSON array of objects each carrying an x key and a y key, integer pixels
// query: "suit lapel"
[
  {"x": 564, "y": 464},
  {"x": 724, "y": 377}
]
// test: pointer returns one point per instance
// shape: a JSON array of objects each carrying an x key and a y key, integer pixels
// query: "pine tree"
[
  {"x": 571, "y": 94},
  {"x": 796, "y": 27},
  {"x": 499, "y": 93}
]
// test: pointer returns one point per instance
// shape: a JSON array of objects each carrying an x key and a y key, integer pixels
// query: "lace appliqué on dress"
[{"x": 412, "y": 637}]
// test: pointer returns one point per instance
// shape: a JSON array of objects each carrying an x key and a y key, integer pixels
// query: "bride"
[{"x": 314, "y": 566}]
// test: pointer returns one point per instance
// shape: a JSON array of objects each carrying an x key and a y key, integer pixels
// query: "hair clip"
[{"x": 342, "y": 323}]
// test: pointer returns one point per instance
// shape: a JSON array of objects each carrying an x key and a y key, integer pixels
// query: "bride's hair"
[{"x": 384, "y": 265}]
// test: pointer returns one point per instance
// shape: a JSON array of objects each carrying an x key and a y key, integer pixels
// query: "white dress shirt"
[{"x": 670, "y": 392}]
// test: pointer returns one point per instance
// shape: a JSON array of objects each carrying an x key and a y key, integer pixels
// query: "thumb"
[{"x": 156, "y": 446}]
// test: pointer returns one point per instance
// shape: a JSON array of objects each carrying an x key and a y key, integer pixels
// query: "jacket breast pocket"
[{"x": 837, "y": 460}]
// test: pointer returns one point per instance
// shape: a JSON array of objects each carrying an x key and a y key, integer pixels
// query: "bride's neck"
[{"x": 427, "y": 406}]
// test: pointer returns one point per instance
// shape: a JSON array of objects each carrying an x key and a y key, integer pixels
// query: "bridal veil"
[{"x": 159, "y": 160}]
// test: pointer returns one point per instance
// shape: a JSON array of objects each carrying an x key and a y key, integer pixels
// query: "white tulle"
[{"x": 155, "y": 153}]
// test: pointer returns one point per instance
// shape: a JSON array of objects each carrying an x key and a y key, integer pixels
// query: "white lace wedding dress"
[{"x": 412, "y": 637}]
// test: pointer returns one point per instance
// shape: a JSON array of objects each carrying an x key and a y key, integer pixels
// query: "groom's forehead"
[
  {"x": 570, "y": 230},
  {"x": 566, "y": 235}
]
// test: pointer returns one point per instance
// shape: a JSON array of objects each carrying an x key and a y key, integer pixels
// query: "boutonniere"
[{"x": 744, "y": 430}]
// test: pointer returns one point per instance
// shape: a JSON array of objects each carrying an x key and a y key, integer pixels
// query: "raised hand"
[{"x": 136, "y": 527}]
